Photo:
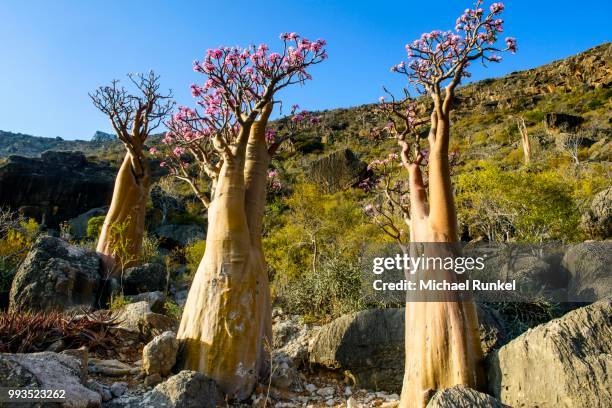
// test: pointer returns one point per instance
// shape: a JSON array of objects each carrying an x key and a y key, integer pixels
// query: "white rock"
[{"x": 326, "y": 391}]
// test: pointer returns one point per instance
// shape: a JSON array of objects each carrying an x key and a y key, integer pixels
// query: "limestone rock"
[
  {"x": 48, "y": 370},
  {"x": 369, "y": 345},
  {"x": 56, "y": 276},
  {"x": 565, "y": 362},
  {"x": 159, "y": 355},
  {"x": 149, "y": 277},
  {"x": 137, "y": 318},
  {"x": 186, "y": 389},
  {"x": 461, "y": 396}
]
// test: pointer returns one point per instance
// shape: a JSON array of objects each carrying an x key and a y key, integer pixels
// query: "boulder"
[
  {"x": 56, "y": 187},
  {"x": 337, "y": 171},
  {"x": 179, "y": 234},
  {"x": 370, "y": 345},
  {"x": 565, "y": 362},
  {"x": 159, "y": 355},
  {"x": 56, "y": 276},
  {"x": 137, "y": 318},
  {"x": 78, "y": 225},
  {"x": 156, "y": 300},
  {"x": 597, "y": 221},
  {"x": 290, "y": 339},
  {"x": 149, "y": 277},
  {"x": 109, "y": 368},
  {"x": 461, "y": 396},
  {"x": 186, "y": 389},
  {"x": 589, "y": 266},
  {"x": 48, "y": 370}
]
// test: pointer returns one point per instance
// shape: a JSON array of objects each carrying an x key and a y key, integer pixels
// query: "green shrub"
[
  {"x": 193, "y": 255},
  {"x": 521, "y": 205},
  {"x": 94, "y": 226},
  {"x": 16, "y": 238}
]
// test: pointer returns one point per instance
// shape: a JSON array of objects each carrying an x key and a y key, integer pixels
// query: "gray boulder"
[
  {"x": 186, "y": 389},
  {"x": 565, "y": 362},
  {"x": 589, "y": 266},
  {"x": 597, "y": 221},
  {"x": 138, "y": 319},
  {"x": 149, "y": 277},
  {"x": 156, "y": 300},
  {"x": 56, "y": 276},
  {"x": 461, "y": 396},
  {"x": 78, "y": 225},
  {"x": 159, "y": 355},
  {"x": 370, "y": 345},
  {"x": 48, "y": 370},
  {"x": 179, "y": 234}
]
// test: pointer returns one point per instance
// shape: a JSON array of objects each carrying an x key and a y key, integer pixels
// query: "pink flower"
[
  {"x": 153, "y": 150},
  {"x": 511, "y": 44},
  {"x": 178, "y": 151},
  {"x": 497, "y": 8}
]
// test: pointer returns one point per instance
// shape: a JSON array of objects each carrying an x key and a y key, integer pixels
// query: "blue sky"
[{"x": 52, "y": 53}]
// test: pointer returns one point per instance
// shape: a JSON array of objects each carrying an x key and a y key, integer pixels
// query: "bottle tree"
[
  {"x": 133, "y": 116},
  {"x": 222, "y": 149},
  {"x": 442, "y": 338}
]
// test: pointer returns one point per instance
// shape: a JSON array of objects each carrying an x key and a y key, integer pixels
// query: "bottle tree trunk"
[
  {"x": 226, "y": 323},
  {"x": 256, "y": 182},
  {"x": 127, "y": 208},
  {"x": 442, "y": 340}
]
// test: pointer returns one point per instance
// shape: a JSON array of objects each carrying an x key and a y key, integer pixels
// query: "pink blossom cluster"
[
  {"x": 238, "y": 83},
  {"x": 383, "y": 163},
  {"x": 273, "y": 180},
  {"x": 441, "y": 55}
]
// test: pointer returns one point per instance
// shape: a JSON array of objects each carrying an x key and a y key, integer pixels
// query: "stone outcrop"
[
  {"x": 56, "y": 276},
  {"x": 565, "y": 362},
  {"x": 56, "y": 187}
]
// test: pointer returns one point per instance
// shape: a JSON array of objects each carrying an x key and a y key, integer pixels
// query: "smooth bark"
[
  {"x": 442, "y": 339},
  {"x": 226, "y": 327}
]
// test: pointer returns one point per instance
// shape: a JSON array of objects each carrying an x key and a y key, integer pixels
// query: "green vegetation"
[
  {"x": 314, "y": 251},
  {"x": 94, "y": 225},
  {"x": 16, "y": 237}
]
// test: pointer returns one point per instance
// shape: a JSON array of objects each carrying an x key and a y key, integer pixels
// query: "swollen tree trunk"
[
  {"x": 127, "y": 208},
  {"x": 256, "y": 181},
  {"x": 442, "y": 339},
  {"x": 226, "y": 324}
]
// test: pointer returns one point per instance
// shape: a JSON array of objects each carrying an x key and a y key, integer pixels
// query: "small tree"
[
  {"x": 223, "y": 151},
  {"x": 442, "y": 339},
  {"x": 133, "y": 118}
]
